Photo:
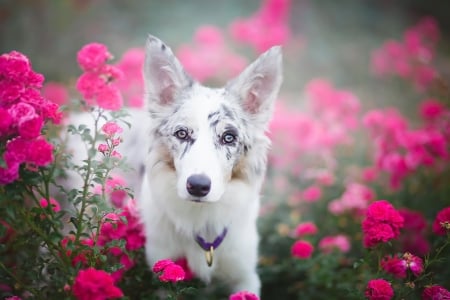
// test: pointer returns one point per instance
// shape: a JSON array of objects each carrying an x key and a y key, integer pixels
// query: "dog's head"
[{"x": 209, "y": 137}]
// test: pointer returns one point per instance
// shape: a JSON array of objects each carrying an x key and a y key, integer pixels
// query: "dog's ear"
[
  {"x": 258, "y": 85},
  {"x": 163, "y": 73}
]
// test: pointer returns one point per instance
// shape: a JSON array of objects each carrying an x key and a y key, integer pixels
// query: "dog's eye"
[
  {"x": 228, "y": 138},
  {"x": 181, "y": 134}
]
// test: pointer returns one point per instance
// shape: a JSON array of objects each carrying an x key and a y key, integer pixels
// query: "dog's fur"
[{"x": 218, "y": 134}]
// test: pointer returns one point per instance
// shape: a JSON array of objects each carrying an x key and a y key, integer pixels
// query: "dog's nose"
[{"x": 198, "y": 185}]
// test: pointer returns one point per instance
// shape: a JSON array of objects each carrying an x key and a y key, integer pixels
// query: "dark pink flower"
[
  {"x": 6, "y": 121},
  {"x": 92, "y": 284},
  {"x": 302, "y": 249},
  {"x": 188, "y": 274},
  {"x": 131, "y": 84},
  {"x": 93, "y": 56},
  {"x": 441, "y": 225},
  {"x": 312, "y": 193},
  {"x": 395, "y": 266},
  {"x": 381, "y": 224},
  {"x": 31, "y": 127},
  {"x": 243, "y": 295},
  {"x": 435, "y": 292},
  {"x": 14, "y": 65},
  {"x": 305, "y": 228},
  {"x": 56, "y": 207},
  {"x": 171, "y": 272},
  {"x": 10, "y": 91},
  {"x": 379, "y": 289},
  {"x": 42, "y": 153},
  {"x": 89, "y": 85}
]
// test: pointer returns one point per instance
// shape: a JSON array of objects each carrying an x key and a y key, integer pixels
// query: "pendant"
[{"x": 209, "y": 256}]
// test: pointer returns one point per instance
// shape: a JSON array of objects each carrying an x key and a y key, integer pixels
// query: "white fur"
[{"x": 172, "y": 216}]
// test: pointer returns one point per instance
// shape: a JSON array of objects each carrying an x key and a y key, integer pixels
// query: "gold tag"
[{"x": 209, "y": 256}]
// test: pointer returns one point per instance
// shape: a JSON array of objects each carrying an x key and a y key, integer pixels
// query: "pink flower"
[
  {"x": 111, "y": 128},
  {"x": 42, "y": 153},
  {"x": 13, "y": 298},
  {"x": 302, "y": 249},
  {"x": 441, "y": 225},
  {"x": 381, "y": 224},
  {"x": 14, "y": 65},
  {"x": 395, "y": 266},
  {"x": 306, "y": 228},
  {"x": 243, "y": 295},
  {"x": 435, "y": 292},
  {"x": 55, "y": 92},
  {"x": 132, "y": 83},
  {"x": 188, "y": 274},
  {"x": 267, "y": 27},
  {"x": 6, "y": 121},
  {"x": 56, "y": 207},
  {"x": 92, "y": 284},
  {"x": 338, "y": 242},
  {"x": 110, "y": 98},
  {"x": 312, "y": 193},
  {"x": 379, "y": 289},
  {"x": 31, "y": 127},
  {"x": 171, "y": 272},
  {"x": 93, "y": 56},
  {"x": 113, "y": 227},
  {"x": 355, "y": 198},
  {"x": 102, "y": 148}
]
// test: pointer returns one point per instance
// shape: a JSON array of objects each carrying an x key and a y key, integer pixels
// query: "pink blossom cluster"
[
  {"x": 132, "y": 82},
  {"x": 23, "y": 113},
  {"x": 399, "y": 266},
  {"x": 170, "y": 271},
  {"x": 209, "y": 57},
  {"x": 97, "y": 84},
  {"x": 382, "y": 223},
  {"x": 115, "y": 191},
  {"x": 338, "y": 242},
  {"x": 111, "y": 129},
  {"x": 331, "y": 114},
  {"x": 379, "y": 289},
  {"x": 93, "y": 284},
  {"x": 412, "y": 57},
  {"x": 400, "y": 150},
  {"x": 355, "y": 199},
  {"x": 265, "y": 28},
  {"x": 414, "y": 233}
]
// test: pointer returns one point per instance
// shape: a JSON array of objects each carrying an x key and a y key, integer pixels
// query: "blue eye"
[
  {"x": 228, "y": 138},
  {"x": 181, "y": 134}
]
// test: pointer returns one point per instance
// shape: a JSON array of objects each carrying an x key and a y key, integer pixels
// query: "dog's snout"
[{"x": 198, "y": 185}]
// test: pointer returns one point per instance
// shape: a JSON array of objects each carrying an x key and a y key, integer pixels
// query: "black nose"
[{"x": 198, "y": 185}]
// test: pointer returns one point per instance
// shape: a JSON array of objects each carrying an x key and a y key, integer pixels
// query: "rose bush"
[{"x": 325, "y": 232}]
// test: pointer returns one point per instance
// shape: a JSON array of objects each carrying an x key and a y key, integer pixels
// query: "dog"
[{"x": 205, "y": 165}]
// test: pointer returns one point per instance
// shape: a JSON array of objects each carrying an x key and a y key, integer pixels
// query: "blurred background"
[{"x": 333, "y": 39}]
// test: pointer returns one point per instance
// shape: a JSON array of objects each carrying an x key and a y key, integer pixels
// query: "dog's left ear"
[{"x": 258, "y": 85}]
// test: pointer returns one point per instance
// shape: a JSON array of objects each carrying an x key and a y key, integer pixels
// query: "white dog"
[{"x": 205, "y": 166}]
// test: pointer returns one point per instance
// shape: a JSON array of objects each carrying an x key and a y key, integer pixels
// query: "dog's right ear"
[{"x": 163, "y": 74}]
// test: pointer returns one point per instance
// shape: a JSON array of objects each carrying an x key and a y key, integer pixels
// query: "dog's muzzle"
[{"x": 198, "y": 185}]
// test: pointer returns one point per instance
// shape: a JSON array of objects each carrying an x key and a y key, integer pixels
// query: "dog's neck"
[{"x": 209, "y": 247}]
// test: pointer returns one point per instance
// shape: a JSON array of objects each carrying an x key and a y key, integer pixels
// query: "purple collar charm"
[{"x": 209, "y": 247}]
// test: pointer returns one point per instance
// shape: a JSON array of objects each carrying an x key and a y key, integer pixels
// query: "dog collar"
[{"x": 210, "y": 247}]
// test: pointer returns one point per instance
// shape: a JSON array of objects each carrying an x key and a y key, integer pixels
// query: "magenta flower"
[
  {"x": 435, "y": 292},
  {"x": 92, "y": 284},
  {"x": 381, "y": 224},
  {"x": 441, "y": 225},
  {"x": 305, "y": 228},
  {"x": 395, "y": 266},
  {"x": 302, "y": 249},
  {"x": 379, "y": 289},
  {"x": 93, "y": 56},
  {"x": 170, "y": 272},
  {"x": 56, "y": 207},
  {"x": 243, "y": 295}
]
